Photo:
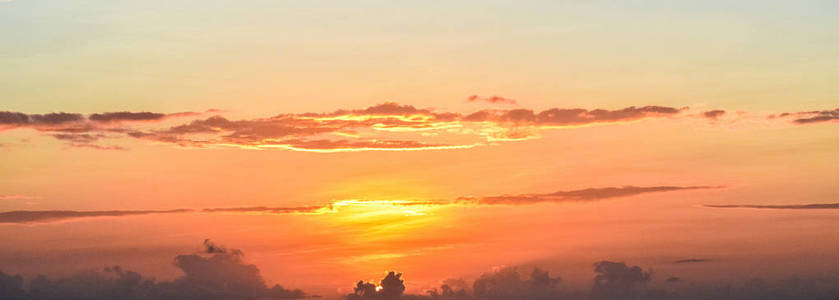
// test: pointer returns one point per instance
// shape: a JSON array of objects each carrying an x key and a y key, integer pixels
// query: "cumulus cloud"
[
  {"x": 783, "y": 206},
  {"x": 492, "y": 99},
  {"x": 206, "y": 275}
]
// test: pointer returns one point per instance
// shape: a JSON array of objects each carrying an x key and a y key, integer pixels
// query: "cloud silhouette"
[
  {"x": 690, "y": 260},
  {"x": 208, "y": 275},
  {"x": 126, "y": 116}
]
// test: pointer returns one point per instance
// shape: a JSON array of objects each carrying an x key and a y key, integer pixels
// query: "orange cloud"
[{"x": 421, "y": 129}]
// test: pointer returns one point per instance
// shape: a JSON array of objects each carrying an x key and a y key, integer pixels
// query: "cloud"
[
  {"x": 97, "y": 147},
  {"x": 16, "y": 119},
  {"x": 590, "y": 194},
  {"x": 373, "y": 127},
  {"x": 80, "y": 131},
  {"x": 206, "y": 275},
  {"x": 810, "y": 117},
  {"x": 301, "y": 132},
  {"x": 493, "y": 99},
  {"x": 616, "y": 280},
  {"x": 272, "y": 210},
  {"x": 41, "y": 216},
  {"x": 787, "y": 206},
  {"x": 126, "y": 116},
  {"x": 327, "y": 146},
  {"x": 690, "y": 260},
  {"x": 713, "y": 114},
  {"x": 569, "y": 117},
  {"x": 18, "y": 197}
]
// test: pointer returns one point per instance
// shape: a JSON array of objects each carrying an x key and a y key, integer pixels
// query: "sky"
[{"x": 333, "y": 141}]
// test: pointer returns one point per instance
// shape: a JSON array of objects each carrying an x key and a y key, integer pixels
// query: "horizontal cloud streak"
[
  {"x": 42, "y": 216},
  {"x": 810, "y": 117},
  {"x": 590, "y": 194},
  {"x": 787, "y": 206},
  {"x": 493, "y": 99}
]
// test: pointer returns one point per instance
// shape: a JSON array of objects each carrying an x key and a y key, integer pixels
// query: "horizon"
[{"x": 506, "y": 150}]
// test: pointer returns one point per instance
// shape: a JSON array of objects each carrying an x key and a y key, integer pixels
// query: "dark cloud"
[
  {"x": 40, "y": 216},
  {"x": 391, "y": 287},
  {"x": 126, "y": 116},
  {"x": 690, "y": 260},
  {"x": 590, "y": 194},
  {"x": 209, "y": 275},
  {"x": 616, "y": 280},
  {"x": 787, "y": 206},
  {"x": 713, "y": 114},
  {"x": 508, "y": 284},
  {"x": 673, "y": 279},
  {"x": 810, "y": 117},
  {"x": 818, "y": 117},
  {"x": 16, "y": 119},
  {"x": 492, "y": 99},
  {"x": 79, "y": 137}
]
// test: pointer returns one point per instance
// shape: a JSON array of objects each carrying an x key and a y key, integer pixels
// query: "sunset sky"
[{"x": 333, "y": 141}]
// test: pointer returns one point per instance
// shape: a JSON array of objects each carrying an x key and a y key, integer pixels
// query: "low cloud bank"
[
  {"x": 611, "y": 281},
  {"x": 214, "y": 273},
  {"x": 218, "y": 272}
]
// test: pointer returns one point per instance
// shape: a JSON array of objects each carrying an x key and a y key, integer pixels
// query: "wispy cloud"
[
  {"x": 590, "y": 194},
  {"x": 43, "y": 216},
  {"x": 810, "y": 117},
  {"x": 786, "y": 206},
  {"x": 18, "y": 197},
  {"x": 492, "y": 99}
]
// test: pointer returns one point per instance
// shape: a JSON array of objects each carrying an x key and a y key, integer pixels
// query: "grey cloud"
[
  {"x": 690, "y": 260},
  {"x": 208, "y": 275},
  {"x": 29, "y": 216},
  {"x": 126, "y": 116}
]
